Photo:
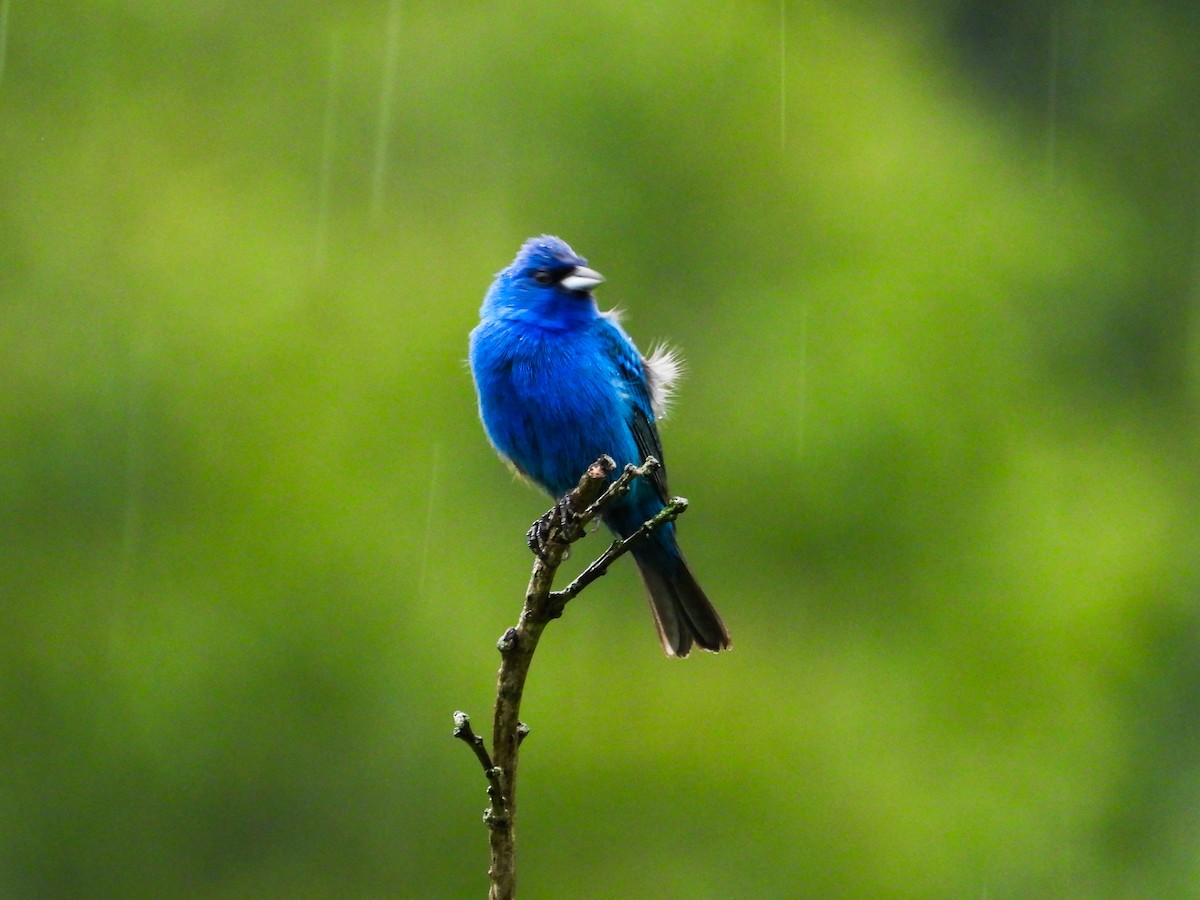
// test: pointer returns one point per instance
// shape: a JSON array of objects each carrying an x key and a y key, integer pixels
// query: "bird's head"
[
  {"x": 548, "y": 281},
  {"x": 550, "y": 264}
]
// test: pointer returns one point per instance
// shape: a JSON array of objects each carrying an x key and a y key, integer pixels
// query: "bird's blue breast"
[{"x": 552, "y": 401}]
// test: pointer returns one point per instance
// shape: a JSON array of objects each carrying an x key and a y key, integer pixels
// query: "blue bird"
[{"x": 561, "y": 383}]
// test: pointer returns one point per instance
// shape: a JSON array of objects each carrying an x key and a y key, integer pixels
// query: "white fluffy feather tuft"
[{"x": 663, "y": 367}]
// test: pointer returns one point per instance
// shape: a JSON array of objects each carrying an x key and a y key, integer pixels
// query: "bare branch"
[
  {"x": 676, "y": 507},
  {"x": 620, "y": 487},
  {"x": 549, "y": 538},
  {"x": 466, "y": 734}
]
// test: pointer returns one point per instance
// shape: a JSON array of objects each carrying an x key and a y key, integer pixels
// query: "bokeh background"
[{"x": 936, "y": 271}]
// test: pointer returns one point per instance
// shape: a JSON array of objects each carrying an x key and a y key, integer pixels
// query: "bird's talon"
[
  {"x": 538, "y": 538},
  {"x": 555, "y": 525},
  {"x": 567, "y": 518}
]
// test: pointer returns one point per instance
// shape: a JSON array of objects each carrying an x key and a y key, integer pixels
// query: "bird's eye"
[{"x": 543, "y": 276}]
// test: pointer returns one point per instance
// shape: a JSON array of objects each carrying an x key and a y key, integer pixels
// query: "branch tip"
[
  {"x": 601, "y": 468},
  {"x": 465, "y": 733}
]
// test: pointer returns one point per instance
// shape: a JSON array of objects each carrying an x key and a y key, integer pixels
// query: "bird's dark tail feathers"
[{"x": 681, "y": 610}]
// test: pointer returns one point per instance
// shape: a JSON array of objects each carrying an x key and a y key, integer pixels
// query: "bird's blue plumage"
[{"x": 561, "y": 383}]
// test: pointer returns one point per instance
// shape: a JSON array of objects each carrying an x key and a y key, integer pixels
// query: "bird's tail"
[{"x": 682, "y": 612}]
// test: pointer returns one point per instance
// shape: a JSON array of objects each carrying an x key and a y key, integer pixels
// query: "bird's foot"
[{"x": 555, "y": 525}]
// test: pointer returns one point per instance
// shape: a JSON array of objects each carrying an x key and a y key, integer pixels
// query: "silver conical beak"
[{"x": 582, "y": 279}]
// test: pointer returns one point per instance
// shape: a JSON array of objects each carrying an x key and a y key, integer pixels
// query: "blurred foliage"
[{"x": 936, "y": 269}]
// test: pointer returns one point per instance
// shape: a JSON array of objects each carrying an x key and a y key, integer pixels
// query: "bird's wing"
[
  {"x": 631, "y": 370},
  {"x": 645, "y": 433}
]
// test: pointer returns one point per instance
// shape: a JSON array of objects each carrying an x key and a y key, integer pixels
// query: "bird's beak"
[{"x": 582, "y": 279}]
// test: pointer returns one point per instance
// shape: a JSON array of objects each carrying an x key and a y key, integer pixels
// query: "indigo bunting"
[{"x": 561, "y": 383}]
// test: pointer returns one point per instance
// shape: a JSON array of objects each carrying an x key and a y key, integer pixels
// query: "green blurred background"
[{"x": 936, "y": 270}]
